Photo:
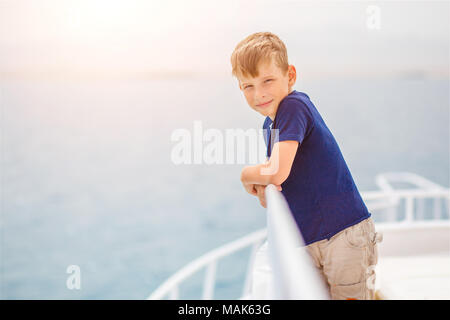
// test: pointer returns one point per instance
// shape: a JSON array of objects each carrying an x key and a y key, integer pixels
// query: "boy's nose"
[{"x": 260, "y": 96}]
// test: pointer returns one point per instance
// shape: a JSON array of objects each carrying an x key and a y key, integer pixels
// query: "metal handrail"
[
  {"x": 294, "y": 275},
  {"x": 380, "y": 200}
]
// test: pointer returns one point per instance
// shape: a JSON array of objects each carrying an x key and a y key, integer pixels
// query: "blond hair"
[{"x": 256, "y": 48}]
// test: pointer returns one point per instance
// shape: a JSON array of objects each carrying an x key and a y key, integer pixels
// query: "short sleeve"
[
  {"x": 293, "y": 120},
  {"x": 266, "y": 128}
]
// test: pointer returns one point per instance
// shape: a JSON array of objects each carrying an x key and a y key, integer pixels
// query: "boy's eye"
[
  {"x": 268, "y": 80},
  {"x": 249, "y": 86}
]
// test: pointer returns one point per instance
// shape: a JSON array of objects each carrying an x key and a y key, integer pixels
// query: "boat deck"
[{"x": 414, "y": 277}]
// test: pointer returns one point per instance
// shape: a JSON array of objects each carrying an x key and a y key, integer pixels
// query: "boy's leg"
[
  {"x": 314, "y": 251},
  {"x": 349, "y": 259}
]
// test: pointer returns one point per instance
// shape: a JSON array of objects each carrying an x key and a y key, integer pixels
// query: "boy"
[{"x": 306, "y": 164}]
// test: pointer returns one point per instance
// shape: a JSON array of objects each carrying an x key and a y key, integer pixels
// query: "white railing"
[
  {"x": 294, "y": 274},
  {"x": 390, "y": 199},
  {"x": 209, "y": 261},
  {"x": 386, "y": 203}
]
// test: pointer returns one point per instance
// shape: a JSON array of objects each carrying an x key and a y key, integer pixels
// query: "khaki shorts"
[{"x": 346, "y": 262}]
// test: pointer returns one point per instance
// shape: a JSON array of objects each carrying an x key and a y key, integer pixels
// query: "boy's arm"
[{"x": 276, "y": 170}]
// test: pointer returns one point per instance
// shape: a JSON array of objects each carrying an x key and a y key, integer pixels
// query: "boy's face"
[{"x": 265, "y": 92}]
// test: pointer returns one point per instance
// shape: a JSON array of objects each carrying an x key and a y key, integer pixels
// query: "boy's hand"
[
  {"x": 250, "y": 188},
  {"x": 261, "y": 194},
  {"x": 260, "y": 189}
]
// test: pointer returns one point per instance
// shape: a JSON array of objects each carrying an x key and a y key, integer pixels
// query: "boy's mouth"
[{"x": 265, "y": 104}]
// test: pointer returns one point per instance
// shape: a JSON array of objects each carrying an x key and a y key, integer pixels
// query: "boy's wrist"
[
  {"x": 252, "y": 175},
  {"x": 244, "y": 179}
]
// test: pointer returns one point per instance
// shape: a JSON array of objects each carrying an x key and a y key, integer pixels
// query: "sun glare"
[{"x": 83, "y": 17}]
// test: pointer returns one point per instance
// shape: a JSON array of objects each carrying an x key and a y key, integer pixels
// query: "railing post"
[
  {"x": 409, "y": 209},
  {"x": 210, "y": 279},
  {"x": 248, "y": 276}
]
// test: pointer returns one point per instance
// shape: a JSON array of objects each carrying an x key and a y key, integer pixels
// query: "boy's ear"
[{"x": 292, "y": 73}]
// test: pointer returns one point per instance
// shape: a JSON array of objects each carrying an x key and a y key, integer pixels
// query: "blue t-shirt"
[{"x": 320, "y": 190}]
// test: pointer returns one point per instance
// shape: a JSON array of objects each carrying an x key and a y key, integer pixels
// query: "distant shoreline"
[{"x": 63, "y": 75}]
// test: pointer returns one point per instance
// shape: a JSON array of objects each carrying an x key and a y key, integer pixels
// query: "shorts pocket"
[
  {"x": 356, "y": 291},
  {"x": 358, "y": 235}
]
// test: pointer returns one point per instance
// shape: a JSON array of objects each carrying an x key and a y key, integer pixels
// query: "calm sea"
[{"x": 87, "y": 177}]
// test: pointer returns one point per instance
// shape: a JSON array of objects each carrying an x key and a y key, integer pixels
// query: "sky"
[{"x": 137, "y": 36}]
